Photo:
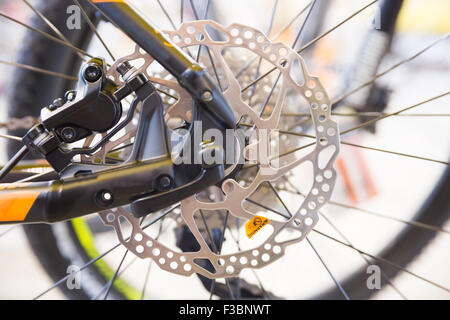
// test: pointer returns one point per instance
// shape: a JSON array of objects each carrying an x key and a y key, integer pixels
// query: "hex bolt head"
[
  {"x": 164, "y": 182},
  {"x": 70, "y": 95},
  {"x": 68, "y": 134},
  {"x": 207, "y": 96},
  {"x": 92, "y": 73},
  {"x": 58, "y": 102},
  {"x": 104, "y": 198},
  {"x": 52, "y": 107},
  {"x": 124, "y": 67}
]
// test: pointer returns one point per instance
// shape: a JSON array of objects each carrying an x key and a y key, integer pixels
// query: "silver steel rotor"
[{"x": 294, "y": 78}]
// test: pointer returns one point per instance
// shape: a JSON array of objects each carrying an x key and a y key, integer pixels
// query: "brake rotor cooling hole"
[{"x": 229, "y": 269}]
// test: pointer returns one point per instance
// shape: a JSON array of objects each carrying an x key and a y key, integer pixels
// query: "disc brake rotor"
[{"x": 293, "y": 79}]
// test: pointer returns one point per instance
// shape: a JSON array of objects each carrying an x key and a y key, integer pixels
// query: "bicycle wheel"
[{"x": 397, "y": 250}]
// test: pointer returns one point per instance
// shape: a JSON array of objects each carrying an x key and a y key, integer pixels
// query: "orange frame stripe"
[{"x": 15, "y": 205}]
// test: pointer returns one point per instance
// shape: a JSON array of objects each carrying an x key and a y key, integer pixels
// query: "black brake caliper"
[{"x": 148, "y": 179}]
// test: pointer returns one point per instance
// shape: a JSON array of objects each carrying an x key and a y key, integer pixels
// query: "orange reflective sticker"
[
  {"x": 254, "y": 225},
  {"x": 14, "y": 206}
]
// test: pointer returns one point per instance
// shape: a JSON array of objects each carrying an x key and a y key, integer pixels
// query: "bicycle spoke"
[
  {"x": 111, "y": 282},
  {"x": 40, "y": 70},
  {"x": 395, "y": 66},
  {"x": 208, "y": 232},
  {"x": 147, "y": 276},
  {"x": 282, "y": 155},
  {"x": 62, "y": 280},
  {"x": 122, "y": 271},
  {"x": 395, "y": 153},
  {"x": 94, "y": 29},
  {"x": 367, "y": 114},
  {"x": 12, "y": 163},
  {"x": 89, "y": 263},
  {"x": 338, "y": 285},
  {"x": 299, "y": 33},
  {"x": 34, "y": 177},
  {"x": 376, "y": 214},
  {"x": 343, "y": 205},
  {"x": 9, "y": 137},
  {"x": 213, "y": 65},
  {"x": 274, "y": 37},
  {"x": 306, "y": 46},
  {"x": 279, "y": 198},
  {"x": 297, "y": 191},
  {"x": 275, "y": 68},
  {"x": 48, "y": 36},
  {"x": 182, "y": 11},
  {"x": 166, "y": 14},
  {"x": 268, "y": 208},
  {"x": 372, "y": 256},
  {"x": 366, "y": 147},
  {"x": 222, "y": 238},
  {"x": 336, "y": 282},
  {"x": 269, "y": 30},
  {"x": 217, "y": 251},
  {"x": 237, "y": 242},
  {"x": 383, "y": 260},
  {"x": 364, "y": 124},
  {"x": 50, "y": 25},
  {"x": 384, "y": 116},
  {"x": 368, "y": 262},
  {"x": 8, "y": 230},
  {"x": 289, "y": 24},
  {"x": 293, "y": 151}
]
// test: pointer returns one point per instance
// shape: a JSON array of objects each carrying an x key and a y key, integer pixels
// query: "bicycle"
[{"x": 132, "y": 156}]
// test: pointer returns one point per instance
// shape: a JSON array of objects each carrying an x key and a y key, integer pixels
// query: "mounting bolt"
[
  {"x": 105, "y": 198},
  {"x": 58, "y": 102},
  {"x": 70, "y": 95},
  {"x": 68, "y": 134},
  {"x": 207, "y": 96},
  {"x": 52, "y": 107},
  {"x": 164, "y": 182},
  {"x": 127, "y": 71},
  {"x": 92, "y": 73},
  {"x": 124, "y": 67}
]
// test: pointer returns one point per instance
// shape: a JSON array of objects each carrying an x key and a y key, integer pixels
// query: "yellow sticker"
[{"x": 254, "y": 225}]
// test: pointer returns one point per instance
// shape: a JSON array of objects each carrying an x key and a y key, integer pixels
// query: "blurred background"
[{"x": 375, "y": 181}]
